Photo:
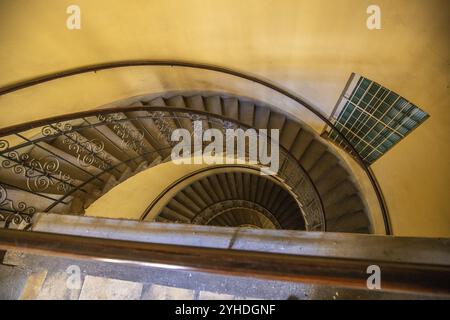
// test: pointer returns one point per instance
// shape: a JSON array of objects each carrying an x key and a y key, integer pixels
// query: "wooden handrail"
[{"x": 344, "y": 272}]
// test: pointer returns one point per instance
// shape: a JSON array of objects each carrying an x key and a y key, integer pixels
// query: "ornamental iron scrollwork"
[
  {"x": 14, "y": 214},
  {"x": 195, "y": 117},
  {"x": 4, "y": 145},
  {"x": 130, "y": 138},
  {"x": 225, "y": 125},
  {"x": 314, "y": 217},
  {"x": 55, "y": 129},
  {"x": 46, "y": 172},
  {"x": 40, "y": 173},
  {"x": 164, "y": 127},
  {"x": 88, "y": 152}
]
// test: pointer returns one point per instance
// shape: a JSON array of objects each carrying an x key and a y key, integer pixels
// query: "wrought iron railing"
[{"x": 76, "y": 156}]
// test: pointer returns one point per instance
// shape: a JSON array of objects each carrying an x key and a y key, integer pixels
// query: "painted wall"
[{"x": 309, "y": 47}]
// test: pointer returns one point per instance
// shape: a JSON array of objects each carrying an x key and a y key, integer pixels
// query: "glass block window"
[{"x": 373, "y": 118}]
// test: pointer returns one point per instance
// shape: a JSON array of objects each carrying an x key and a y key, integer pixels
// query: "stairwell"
[{"x": 67, "y": 166}]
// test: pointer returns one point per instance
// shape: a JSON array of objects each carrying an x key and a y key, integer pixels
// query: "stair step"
[
  {"x": 262, "y": 116},
  {"x": 282, "y": 199},
  {"x": 101, "y": 288},
  {"x": 39, "y": 181},
  {"x": 232, "y": 184},
  {"x": 210, "y": 190},
  {"x": 179, "y": 102},
  {"x": 231, "y": 108},
  {"x": 312, "y": 154},
  {"x": 246, "y": 186},
  {"x": 253, "y": 186},
  {"x": 217, "y": 187},
  {"x": 348, "y": 222},
  {"x": 67, "y": 163},
  {"x": 85, "y": 156},
  {"x": 289, "y": 133},
  {"x": 201, "y": 192},
  {"x": 175, "y": 101},
  {"x": 224, "y": 186},
  {"x": 260, "y": 190},
  {"x": 173, "y": 216},
  {"x": 151, "y": 142},
  {"x": 276, "y": 121},
  {"x": 115, "y": 147},
  {"x": 181, "y": 209},
  {"x": 246, "y": 111},
  {"x": 160, "y": 292},
  {"x": 326, "y": 161},
  {"x": 214, "y": 105},
  {"x": 55, "y": 288},
  {"x": 40, "y": 201},
  {"x": 273, "y": 200},
  {"x": 331, "y": 178},
  {"x": 239, "y": 177},
  {"x": 346, "y": 206},
  {"x": 193, "y": 196},
  {"x": 187, "y": 202},
  {"x": 301, "y": 143},
  {"x": 157, "y": 102},
  {"x": 267, "y": 193},
  {"x": 341, "y": 191},
  {"x": 33, "y": 285},
  {"x": 195, "y": 102}
]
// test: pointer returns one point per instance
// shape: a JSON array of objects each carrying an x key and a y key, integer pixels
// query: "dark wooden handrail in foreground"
[{"x": 340, "y": 272}]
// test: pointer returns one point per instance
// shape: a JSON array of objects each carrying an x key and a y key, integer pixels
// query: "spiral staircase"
[
  {"x": 235, "y": 200},
  {"x": 67, "y": 165},
  {"x": 53, "y": 170},
  {"x": 90, "y": 95}
]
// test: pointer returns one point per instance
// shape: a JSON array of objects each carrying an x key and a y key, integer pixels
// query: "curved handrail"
[{"x": 174, "y": 63}]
